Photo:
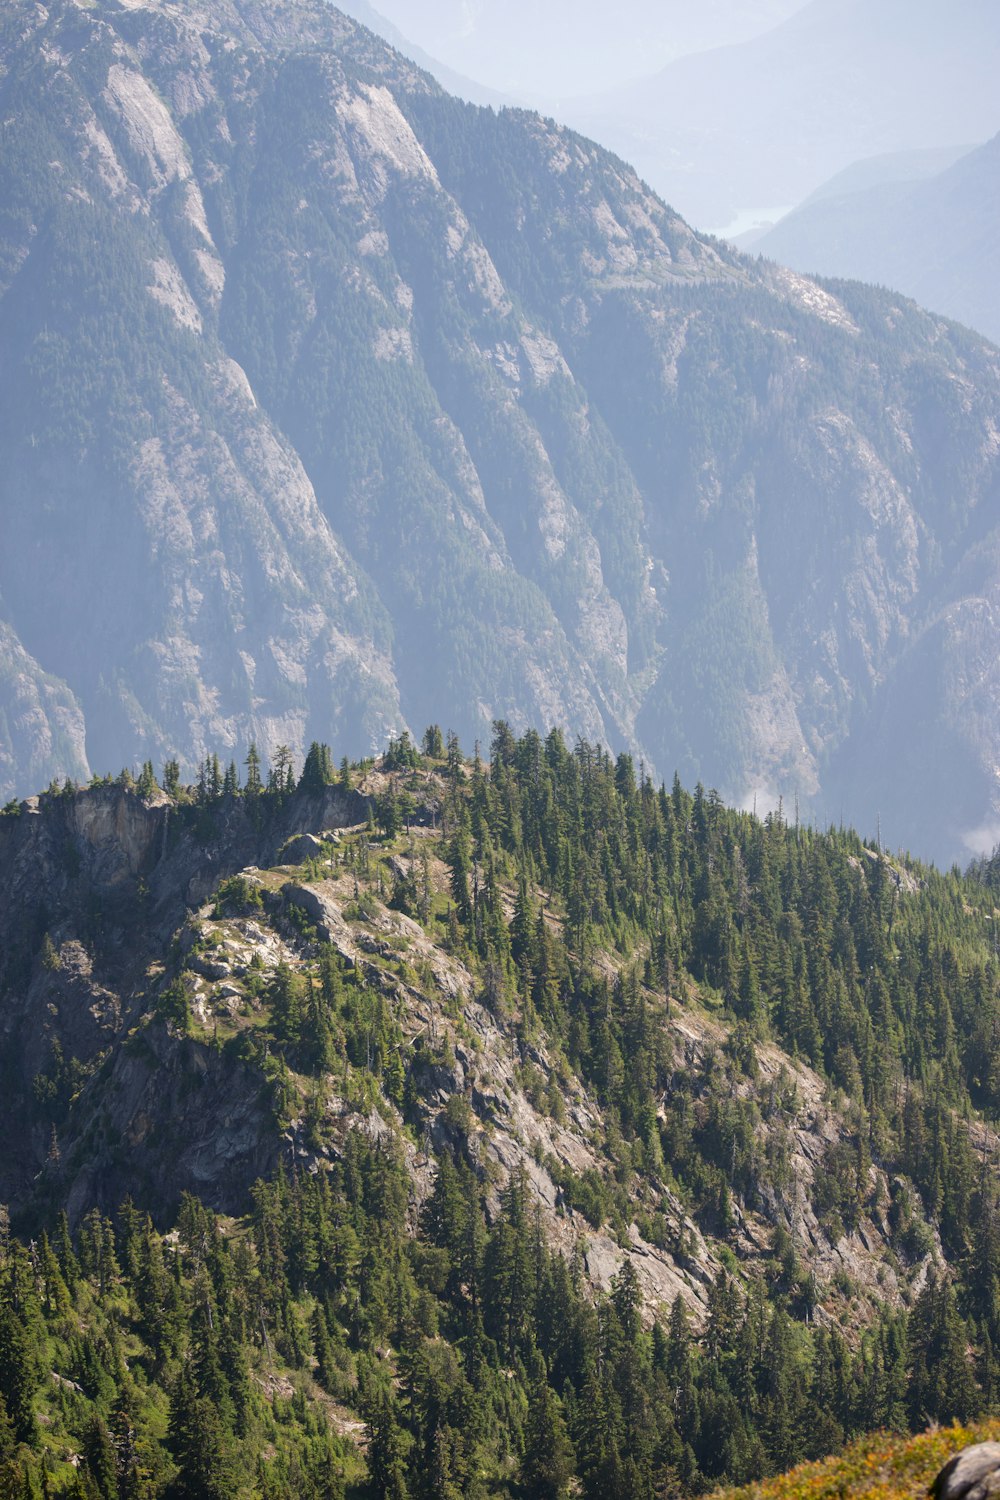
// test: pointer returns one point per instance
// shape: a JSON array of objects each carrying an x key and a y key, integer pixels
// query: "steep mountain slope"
[
  {"x": 329, "y": 402},
  {"x": 140, "y": 949},
  {"x": 147, "y": 935},
  {"x": 42, "y": 727},
  {"x": 759, "y": 126},
  {"x": 348, "y": 1124},
  {"x": 936, "y": 241},
  {"x": 897, "y": 166}
]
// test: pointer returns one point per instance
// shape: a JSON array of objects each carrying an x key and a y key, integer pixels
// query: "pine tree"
[
  {"x": 547, "y": 1461},
  {"x": 15, "y": 1483},
  {"x": 388, "y": 812},
  {"x": 326, "y": 1371},
  {"x": 8, "y": 1437},
  {"x": 18, "y": 1375},
  {"x": 99, "y": 1456},
  {"x": 201, "y": 1447},
  {"x": 284, "y": 770},
  {"x": 433, "y": 742},
  {"x": 146, "y": 785},
  {"x": 254, "y": 784},
  {"x": 317, "y": 771},
  {"x": 454, "y": 758},
  {"x": 285, "y": 995},
  {"x": 317, "y": 1031},
  {"x": 386, "y": 1449},
  {"x": 459, "y": 861}
]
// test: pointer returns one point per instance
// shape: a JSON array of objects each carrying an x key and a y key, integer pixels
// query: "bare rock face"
[
  {"x": 42, "y": 726},
  {"x": 177, "y": 1118},
  {"x": 301, "y": 847},
  {"x": 973, "y": 1474}
]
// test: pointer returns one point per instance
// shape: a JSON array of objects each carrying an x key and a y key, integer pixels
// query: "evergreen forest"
[{"x": 388, "y": 1311}]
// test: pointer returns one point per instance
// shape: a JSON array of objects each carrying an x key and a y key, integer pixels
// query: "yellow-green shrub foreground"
[{"x": 878, "y": 1467}]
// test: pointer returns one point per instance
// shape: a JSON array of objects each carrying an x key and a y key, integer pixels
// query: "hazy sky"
[{"x": 549, "y": 49}]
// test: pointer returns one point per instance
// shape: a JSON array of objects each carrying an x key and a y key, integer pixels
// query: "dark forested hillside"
[
  {"x": 444, "y": 1128},
  {"x": 327, "y": 400}
]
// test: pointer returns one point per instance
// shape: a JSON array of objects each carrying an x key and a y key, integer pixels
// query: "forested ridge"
[{"x": 388, "y": 1312}]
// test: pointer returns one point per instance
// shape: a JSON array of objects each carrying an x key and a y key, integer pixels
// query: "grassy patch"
[{"x": 878, "y": 1467}]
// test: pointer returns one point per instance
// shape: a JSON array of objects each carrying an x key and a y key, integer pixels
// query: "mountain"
[
  {"x": 393, "y": 1121},
  {"x": 553, "y": 51},
  {"x": 934, "y": 240},
  {"x": 330, "y": 403},
  {"x": 755, "y": 128},
  {"x": 871, "y": 172},
  {"x": 897, "y": 166},
  {"x": 455, "y": 82}
]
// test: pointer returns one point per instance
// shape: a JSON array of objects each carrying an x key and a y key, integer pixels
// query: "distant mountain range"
[
  {"x": 893, "y": 166},
  {"x": 935, "y": 239},
  {"x": 760, "y": 125},
  {"x": 330, "y": 404}
]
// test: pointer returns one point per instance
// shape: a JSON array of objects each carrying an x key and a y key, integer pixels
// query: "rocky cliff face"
[
  {"x": 331, "y": 404},
  {"x": 94, "y": 887}
]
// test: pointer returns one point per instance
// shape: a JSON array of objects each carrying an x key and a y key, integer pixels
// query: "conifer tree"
[
  {"x": 254, "y": 784},
  {"x": 18, "y": 1375},
  {"x": 459, "y": 863},
  {"x": 386, "y": 1448},
  {"x": 99, "y": 1456},
  {"x": 547, "y": 1461},
  {"x": 202, "y": 1449},
  {"x": 317, "y": 771}
]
